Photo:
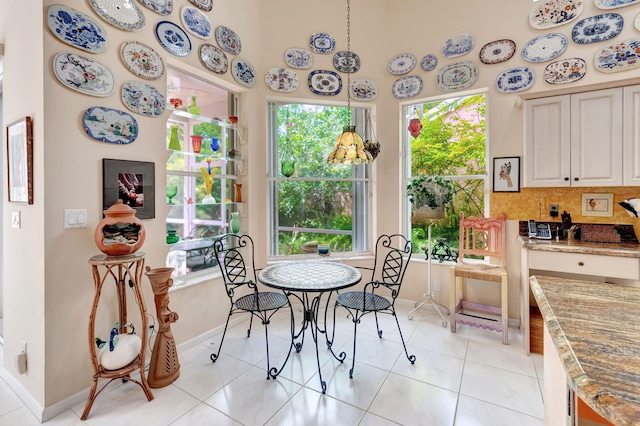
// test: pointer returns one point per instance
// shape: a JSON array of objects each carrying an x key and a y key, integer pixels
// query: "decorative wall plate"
[
  {"x": 76, "y": 29},
  {"x": 363, "y": 89},
  {"x": 497, "y": 51},
  {"x": 205, "y": 5},
  {"x": 551, "y": 13},
  {"x": 324, "y": 82},
  {"x": 243, "y": 72},
  {"x": 123, "y": 14},
  {"x": 636, "y": 22},
  {"x": 83, "y": 74},
  {"x": 407, "y": 87},
  {"x": 459, "y": 75},
  {"x": 401, "y": 64},
  {"x": 110, "y": 125},
  {"x": 565, "y": 71},
  {"x": 429, "y": 62},
  {"x": 228, "y": 40},
  {"x": 515, "y": 80},
  {"x": 281, "y": 80},
  {"x": 163, "y": 7},
  {"x": 322, "y": 43},
  {"x": 196, "y": 22},
  {"x": 297, "y": 57},
  {"x": 613, "y": 4},
  {"x": 545, "y": 47},
  {"x": 142, "y": 60},
  {"x": 173, "y": 38},
  {"x": 213, "y": 58},
  {"x": 619, "y": 56},
  {"x": 142, "y": 98},
  {"x": 458, "y": 45},
  {"x": 597, "y": 28},
  {"x": 346, "y": 61}
]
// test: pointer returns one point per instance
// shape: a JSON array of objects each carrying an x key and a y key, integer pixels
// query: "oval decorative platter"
[
  {"x": 142, "y": 60},
  {"x": 407, "y": 87},
  {"x": 110, "y": 125},
  {"x": 429, "y": 62},
  {"x": 205, "y": 5},
  {"x": 83, "y": 74},
  {"x": 497, "y": 51},
  {"x": 597, "y": 28},
  {"x": 552, "y": 13},
  {"x": 459, "y": 75},
  {"x": 346, "y": 61},
  {"x": 243, "y": 72},
  {"x": 619, "y": 56},
  {"x": 565, "y": 71},
  {"x": 401, "y": 64},
  {"x": 322, "y": 43},
  {"x": 515, "y": 80},
  {"x": 228, "y": 40},
  {"x": 297, "y": 57},
  {"x": 363, "y": 89},
  {"x": 324, "y": 82},
  {"x": 76, "y": 29},
  {"x": 173, "y": 38},
  {"x": 545, "y": 47},
  {"x": 281, "y": 80},
  {"x": 213, "y": 58},
  {"x": 613, "y": 4},
  {"x": 163, "y": 7},
  {"x": 458, "y": 45},
  {"x": 142, "y": 98},
  {"x": 196, "y": 22},
  {"x": 123, "y": 14}
]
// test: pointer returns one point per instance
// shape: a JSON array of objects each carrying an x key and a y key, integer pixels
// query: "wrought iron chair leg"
[
  {"x": 411, "y": 358},
  {"x": 356, "y": 320},
  {"x": 375, "y": 313},
  {"x": 250, "y": 324},
  {"x": 266, "y": 338},
  {"x": 215, "y": 356}
]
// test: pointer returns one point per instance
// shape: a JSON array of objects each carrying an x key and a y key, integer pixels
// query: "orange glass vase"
[{"x": 196, "y": 143}]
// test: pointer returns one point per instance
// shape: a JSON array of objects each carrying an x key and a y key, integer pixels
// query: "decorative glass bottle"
[
  {"x": 234, "y": 223},
  {"x": 172, "y": 237},
  {"x": 174, "y": 140},
  {"x": 238, "y": 189},
  {"x": 193, "y": 108}
]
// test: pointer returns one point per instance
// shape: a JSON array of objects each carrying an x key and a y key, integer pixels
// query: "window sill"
[
  {"x": 333, "y": 256},
  {"x": 192, "y": 279}
]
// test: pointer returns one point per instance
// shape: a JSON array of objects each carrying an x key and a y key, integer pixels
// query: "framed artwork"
[
  {"x": 597, "y": 205},
  {"x": 506, "y": 174},
  {"x": 20, "y": 160},
  {"x": 132, "y": 182}
]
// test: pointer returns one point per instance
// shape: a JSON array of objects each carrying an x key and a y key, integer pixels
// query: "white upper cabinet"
[{"x": 632, "y": 136}]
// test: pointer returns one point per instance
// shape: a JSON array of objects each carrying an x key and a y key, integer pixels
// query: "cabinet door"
[
  {"x": 631, "y": 147},
  {"x": 547, "y": 142},
  {"x": 596, "y": 138}
]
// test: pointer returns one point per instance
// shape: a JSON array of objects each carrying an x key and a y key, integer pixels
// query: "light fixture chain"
[{"x": 348, "y": 54}]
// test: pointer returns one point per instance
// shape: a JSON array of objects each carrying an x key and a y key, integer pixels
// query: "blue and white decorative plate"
[
  {"x": 407, "y": 87},
  {"x": 83, "y": 74},
  {"x": 205, "y": 5},
  {"x": 597, "y": 28},
  {"x": 173, "y": 38},
  {"x": 636, "y": 22},
  {"x": 458, "y": 75},
  {"x": 613, "y": 4},
  {"x": 163, "y": 7},
  {"x": 142, "y": 98},
  {"x": 458, "y": 45},
  {"x": 123, "y": 14},
  {"x": 346, "y": 61},
  {"x": 620, "y": 56},
  {"x": 228, "y": 40},
  {"x": 213, "y": 58},
  {"x": 552, "y": 13},
  {"x": 565, "y": 71},
  {"x": 142, "y": 60},
  {"x": 429, "y": 62},
  {"x": 281, "y": 80},
  {"x": 322, "y": 43},
  {"x": 515, "y": 80},
  {"x": 110, "y": 125},
  {"x": 243, "y": 72},
  {"x": 497, "y": 51},
  {"x": 76, "y": 29},
  {"x": 401, "y": 64},
  {"x": 297, "y": 57},
  {"x": 545, "y": 47},
  {"x": 196, "y": 22},
  {"x": 324, "y": 82},
  {"x": 363, "y": 89}
]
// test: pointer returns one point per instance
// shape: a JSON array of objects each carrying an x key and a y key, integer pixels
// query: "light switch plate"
[
  {"x": 15, "y": 220},
  {"x": 75, "y": 218}
]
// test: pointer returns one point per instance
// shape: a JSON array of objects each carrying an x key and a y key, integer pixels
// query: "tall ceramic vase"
[
  {"x": 207, "y": 174},
  {"x": 235, "y": 222}
]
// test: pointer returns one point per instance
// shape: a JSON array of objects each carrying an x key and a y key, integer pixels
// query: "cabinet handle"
[
  {"x": 566, "y": 178},
  {"x": 576, "y": 179},
  {"x": 580, "y": 263}
]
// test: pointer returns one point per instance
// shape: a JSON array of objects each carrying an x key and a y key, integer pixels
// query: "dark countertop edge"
[{"x": 581, "y": 247}]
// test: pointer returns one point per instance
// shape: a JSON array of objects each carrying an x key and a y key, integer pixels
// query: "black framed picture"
[
  {"x": 132, "y": 182},
  {"x": 506, "y": 174}
]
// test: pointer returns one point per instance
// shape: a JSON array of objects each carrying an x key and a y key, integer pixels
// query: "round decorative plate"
[
  {"x": 545, "y": 47},
  {"x": 196, "y": 22},
  {"x": 552, "y": 13},
  {"x": 322, "y": 43},
  {"x": 565, "y": 71},
  {"x": 142, "y": 98},
  {"x": 597, "y": 28},
  {"x": 346, "y": 61},
  {"x": 459, "y": 75},
  {"x": 243, "y": 72},
  {"x": 205, "y": 5},
  {"x": 407, "y": 87},
  {"x": 142, "y": 60},
  {"x": 281, "y": 80},
  {"x": 110, "y": 125},
  {"x": 297, "y": 57},
  {"x": 363, "y": 89},
  {"x": 497, "y": 51},
  {"x": 458, "y": 45},
  {"x": 123, "y": 14},
  {"x": 515, "y": 80},
  {"x": 83, "y": 74},
  {"x": 613, "y": 4},
  {"x": 429, "y": 62},
  {"x": 76, "y": 29},
  {"x": 163, "y": 7},
  {"x": 636, "y": 22},
  {"x": 401, "y": 64},
  {"x": 173, "y": 38},
  {"x": 228, "y": 40},
  {"x": 619, "y": 56},
  {"x": 213, "y": 58},
  {"x": 324, "y": 82}
]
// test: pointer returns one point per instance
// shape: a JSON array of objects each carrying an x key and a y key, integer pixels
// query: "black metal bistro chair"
[
  {"x": 390, "y": 263},
  {"x": 235, "y": 256}
]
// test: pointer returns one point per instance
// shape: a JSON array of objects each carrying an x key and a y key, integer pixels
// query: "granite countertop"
[
  {"x": 596, "y": 330},
  {"x": 582, "y": 247}
]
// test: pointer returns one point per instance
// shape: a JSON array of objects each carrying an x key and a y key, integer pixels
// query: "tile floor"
[{"x": 467, "y": 378}]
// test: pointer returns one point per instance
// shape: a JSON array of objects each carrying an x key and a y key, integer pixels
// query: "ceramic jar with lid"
[{"x": 120, "y": 232}]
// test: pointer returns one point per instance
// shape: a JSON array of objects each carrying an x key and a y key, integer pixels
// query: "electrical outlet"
[{"x": 554, "y": 210}]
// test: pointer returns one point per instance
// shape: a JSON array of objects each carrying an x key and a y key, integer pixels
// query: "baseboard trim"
[{"x": 32, "y": 405}]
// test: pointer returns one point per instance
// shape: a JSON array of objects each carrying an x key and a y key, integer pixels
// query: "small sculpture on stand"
[{"x": 207, "y": 174}]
